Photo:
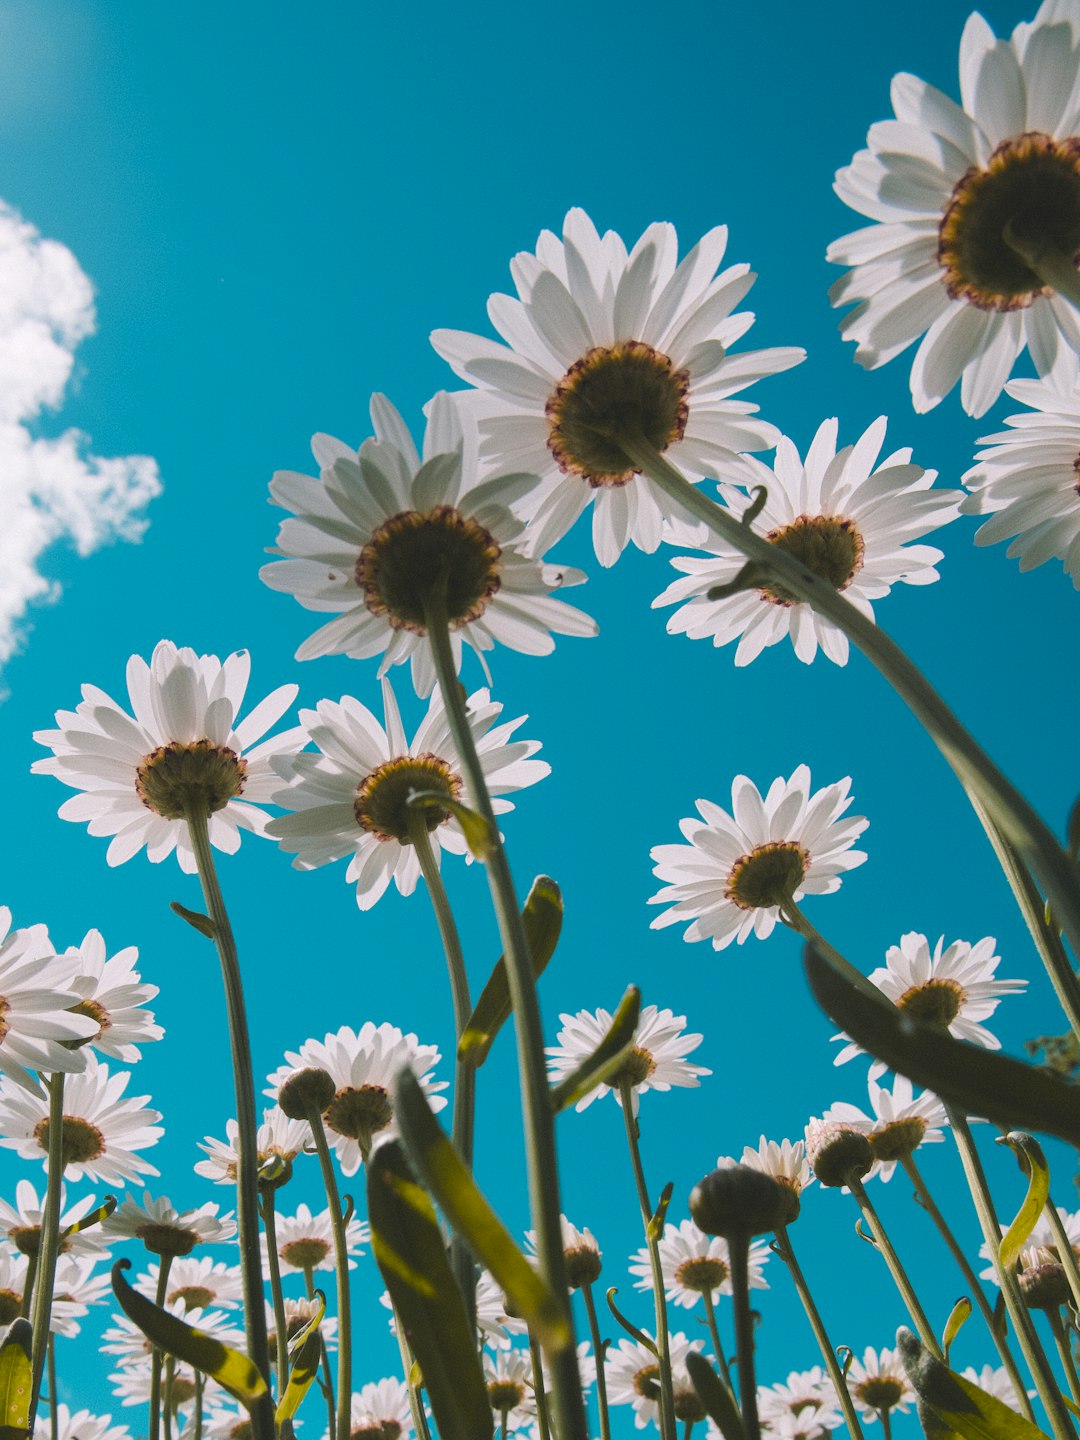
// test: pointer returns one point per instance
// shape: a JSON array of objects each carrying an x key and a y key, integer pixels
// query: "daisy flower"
[
  {"x": 954, "y": 987},
  {"x": 944, "y": 182},
  {"x": 278, "y": 1141},
  {"x": 350, "y": 799},
  {"x": 806, "y": 1395},
  {"x": 580, "y": 1251},
  {"x": 495, "y": 1325},
  {"x": 196, "y": 1283},
  {"x": 1027, "y": 477},
  {"x": 38, "y": 1019},
  {"x": 131, "y": 1386},
  {"x": 66, "y": 1424},
  {"x": 633, "y": 1378},
  {"x": 298, "y": 1315},
  {"x": 657, "y": 1061},
  {"x": 75, "y": 1288},
  {"x": 736, "y": 870},
  {"x": 362, "y": 1066},
  {"x": 696, "y": 1264},
  {"x": 137, "y": 776},
  {"x": 374, "y": 533},
  {"x": 996, "y": 1382},
  {"x": 508, "y": 1375},
  {"x": 21, "y": 1223},
  {"x": 843, "y": 515},
  {"x": 102, "y": 1131},
  {"x": 380, "y": 1411},
  {"x": 900, "y": 1122},
  {"x": 1042, "y": 1248},
  {"x": 879, "y": 1384},
  {"x": 132, "y": 1347},
  {"x": 599, "y": 340},
  {"x": 785, "y": 1162},
  {"x": 111, "y": 992},
  {"x": 165, "y": 1230},
  {"x": 305, "y": 1241}
]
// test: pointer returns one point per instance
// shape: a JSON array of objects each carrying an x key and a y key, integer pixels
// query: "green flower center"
[
  {"x": 898, "y": 1139},
  {"x": 687, "y": 1405},
  {"x": 165, "y": 1239},
  {"x": 307, "y": 1253},
  {"x": 409, "y": 555},
  {"x": 358, "y": 1112},
  {"x": 1031, "y": 182},
  {"x": 769, "y": 875},
  {"x": 880, "y": 1392},
  {"x": 628, "y": 389},
  {"x": 176, "y": 780},
  {"x": 81, "y": 1140},
  {"x": 582, "y": 1266},
  {"x": 828, "y": 545},
  {"x": 381, "y": 806},
  {"x": 505, "y": 1394},
  {"x": 27, "y": 1239},
  {"x": 937, "y": 1002},
  {"x": 704, "y": 1273},
  {"x": 635, "y": 1069},
  {"x": 193, "y": 1297}
]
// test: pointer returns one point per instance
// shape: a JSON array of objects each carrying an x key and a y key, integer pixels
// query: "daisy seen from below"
[
  {"x": 133, "y": 1348},
  {"x": 953, "y": 986},
  {"x": 40, "y": 1028},
  {"x": 362, "y": 1065},
  {"x": 279, "y": 1141},
  {"x": 947, "y": 186},
  {"x": 305, "y": 1242},
  {"x": 806, "y": 1395},
  {"x": 112, "y": 993},
  {"x": 657, "y": 1061},
  {"x": 508, "y": 1375},
  {"x": 602, "y": 341},
  {"x": 196, "y": 1282},
  {"x": 695, "y": 1264},
  {"x": 580, "y": 1251},
  {"x": 78, "y": 1425},
  {"x": 1028, "y": 476},
  {"x": 164, "y": 1230},
  {"x": 21, "y": 1223},
  {"x": 738, "y": 869},
  {"x": 75, "y": 1289},
  {"x": 900, "y": 1123},
  {"x": 299, "y": 1313},
  {"x": 842, "y": 514},
  {"x": 879, "y": 1384},
  {"x": 103, "y": 1132},
  {"x": 382, "y": 528},
  {"x": 994, "y": 1380},
  {"x": 633, "y": 1378},
  {"x": 380, "y": 1411},
  {"x": 351, "y": 798},
  {"x": 140, "y": 776}
]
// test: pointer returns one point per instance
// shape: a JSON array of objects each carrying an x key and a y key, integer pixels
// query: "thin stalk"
[
  {"x": 975, "y": 1289},
  {"x": 539, "y": 1393},
  {"x": 896, "y": 1268},
  {"x": 247, "y": 1179},
  {"x": 667, "y": 1391},
  {"x": 739, "y": 1256},
  {"x": 54, "y": 1414},
  {"x": 795, "y": 920},
  {"x": 718, "y": 1346},
  {"x": 1054, "y": 267},
  {"x": 197, "y": 1433},
  {"x": 28, "y": 1284},
  {"x": 688, "y": 1429},
  {"x": 157, "y": 1358},
  {"x": 464, "y": 1075},
  {"x": 324, "y": 1364},
  {"x": 1066, "y": 1253},
  {"x": 599, "y": 1351},
  {"x": 538, "y": 1122},
  {"x": 505, "y": 1412},
  {"x": 886, "y": 1424},
  {"x": 341, "y": 1259},
  {"x": 1020, "y": 1315},
  {"x": 408, "y": 1366},
  {"x": 825, "y": 1345},
  {"x": 168, "y": 1408},
  {"x": 49, "y": 1239},
  {"x": 1064, "y": 1349},
  {"x": 974, "y": 769},
  {"x": 268, "y": 1207}
]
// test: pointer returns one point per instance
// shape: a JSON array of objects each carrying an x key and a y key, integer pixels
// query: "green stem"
[
  {"x": 341, "y": 1258},
  {"x": 538, "y": 1122},
  {"x": 718, "y": 1346},
  {"x": 1064, "y": 1350},
  {"x": 739, "y": 1255},
  {"x": 324, "y": 1363},
  {"x": 247, "y": 1180},
  {"x": 1054, "y": 267},
  {"x": 667, "y": 1392},
  {"x": 795, "y": 920},
  {"x": 972, "y": 766},
  {"x": 157, "y": 1358},
  {"x": 28, "y": 1284},
  {"x": 896, "y": 1268},
  {"x": 277, "y": 1297},
  {"x": 464, "y": 1075},
  {"x": 828, "y": 1353},
  {"x": 170, "y": 1371},
  {"x": 49, "y": 1239},
  {"x": 197, "y": 1434},
  {"x": 408, "y": 1366},
  {"x": 54, "y": 1402},
  {"x": 975, "y": 1289},
  {"x": 539, "y": 1393},
  {"x": 1066, "y": 1253},
  {"x": 886, "y": 1424},
  {"x": 599, "y": 1351},
  {"x": 1028, "y": 1340}
]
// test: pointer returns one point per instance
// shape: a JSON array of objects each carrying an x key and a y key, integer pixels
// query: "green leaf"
[
  {"x": 16, "y": 1381},
  {"x": 958, "y": 1317},
  {"x": 542, "y": 918},
  {"x": 195, "y": 918},
  {"x": 306, "y": 1350},
  {"x": 1032, "y": 1161},
  {"x": 655, "y": 1229},
  {"x": 980, "y": 1082},
  {"x": 234, "y": 1372},
  {"x": 715, "y": 1396},
  {"x": 631, "y": 1330},
  {"x": 479, "y": 835},
  {"x": 411, "y": 1255},
  {"x": 104, "y": 1210},
  {"x": 957, "y": 1405},
  {"x": 447, "y": 1178},
  {"x": 598, "y": 1067}
]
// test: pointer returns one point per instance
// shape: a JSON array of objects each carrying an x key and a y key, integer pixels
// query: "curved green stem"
[
  {"x": 1068, "y": 1364},
  {"x": 896, "y": 1268},
  {"x": 794, "y": 919},
  {"x": 718, "y": 1344},
  {"x": 247, "y": 1180},
  {"x": 538, "y": 1122},
  {"x": 599, "y": 1351},
  {"x": 1054, "y": 267},
  {"x": 49, "y": 1238},
  {"x": 324, "y": 1363},
  {"x": 341, "y": 1259},
  {"x": 273, "y": 1264}
]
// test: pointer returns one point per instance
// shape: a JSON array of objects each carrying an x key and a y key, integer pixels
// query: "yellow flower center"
[
  {"x": 898, "y": 1138},
  {"x": 81, "y": 1140},
  {"x": 635, "y": 1069},
  {"x": 176, "y": 779},
  {"x": 829, "y": 545},
  {"x": 769, "y": 875},
  {"x": 938, "y": 1002},
  {"x": 703, "y": 1273}
]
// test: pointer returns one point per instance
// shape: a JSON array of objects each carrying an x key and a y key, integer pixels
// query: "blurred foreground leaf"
[
  {"x": 16, "y": 1381},
  {"x": 949, "y": 1404},
  {"x": 715, "y": 1396}
]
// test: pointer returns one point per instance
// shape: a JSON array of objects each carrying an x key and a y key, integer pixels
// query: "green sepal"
[
  {"x": 958, "y": 1318},
  {"x": 631, "y": 1330},
  {"x": 542, "y": 918},
  {"x": 195, "y": 918},
  {"x": 479, "y": 835},
  {"x": 977, "y": 1081},
  {"x": 655, "y": 1229},
  {"x": 956, "y": 1406},
  {"x": 104, "y": 1210},
  {"x": 16, "y": 1381},
  {"x": 715, "y": 1396},
  {"x": 605, "y": 1059},
  {"x": 234, "y": 1372},
  {"x": 306, "y": 1351},
  {"x": 448, "y": 1180},
  {"x": 411, "y": 1255},
  {"x": 1032, "y": 1161}
]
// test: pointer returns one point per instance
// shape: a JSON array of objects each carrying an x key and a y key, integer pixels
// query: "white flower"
[
  {"x": 996, "y": 1382},
  {"x": 381, "y": 1411},
  {"x": 846, "y": 517},
  {"x": 508, "y": 1375},
  {"x": 165, "y": 1230},
  {"x": 37, "y": 1019},
  {"x": 111, "y": 993},
  {"x": 599, "y": 335},
  {"x": 736, "y": 870},
  {"x": 363, "y": 1067},
  {"x": 132, "y": 774},
  {"x": 131, "y": 1385},
  {"x": 306, "y": 1241},
  {"x": 943, "y": 183},
  {"x": 298, "y": 1315},
  {"x": 580, "y": 1251},
  {"x": 657, "y": 1061},
  {"x": 1042, "y": 1247},
  {"x": 899, "y": 1125},
  {"x": 196, "y": 1283},
  {"x": 633, "y": 1376},
  {"x": 21, "y": 1223},
  {"x": 954, "y": 987},
  {"x": 372, "y": 534},
  {"x": 278, "y": 1139},
  {"x": 102, "y": 1132},
  {"x": 350, "y": 799},
  {"x": 1027, "y": 475},
  {"x": 75, "y": 1288},
  {"x": 807, "y": 1396},
  {"x": 78, "y": 1425},
  {"x": 785, "y": 1162},
  {"x": 694, "y": 1264},
  {"x": 495, "y": 1325},
  {"x": 879, "y": 1383}
]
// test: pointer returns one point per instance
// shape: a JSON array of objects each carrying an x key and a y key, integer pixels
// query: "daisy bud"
[
  {"x": 1042, "y": 1283},
  {"x": 739, "y": 1202},
  {"x": 838, "y": 1153},
  {"x": 304, "y": 1090}
]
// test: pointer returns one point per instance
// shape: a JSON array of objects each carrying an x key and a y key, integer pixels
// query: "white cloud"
[{"x": 50, "y": 489}]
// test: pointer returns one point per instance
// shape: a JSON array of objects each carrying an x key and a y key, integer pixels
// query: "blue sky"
[{"x": 275, "y": 205}]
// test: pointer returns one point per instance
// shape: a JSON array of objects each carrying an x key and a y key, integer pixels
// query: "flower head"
[
  {"x": 112, "y": 993},
  {"x": 785, "y": 1162},
  {"x": 21, "y": 1223},
  {"x": 656, "y": 1062},
  {"x": 580, "y": 1251},
  {"x": 278, "y": 1141},
  {"x": 994, "y": 1381},
  {"x": 900, "y": 1122},
  {"x": 306, "y": 1241},
  {"x": 736, "y": 870},
  {"x": 879, "y": 1384},
  {"x": 696, "y": 1264},
  {"x": 40, "y": 1026},
  {"x": 183, "y": 750},
  {"x": 165, "y": 1230},
  {"x": 196, "y": 1283},
  {"x": 381, "y": 1411},
  {"x": 633, "y": 1378},
  {"x": 508, "y": 1374},
  {"x": 78, "y": 1425},
  {"x": 806, "y": 1396}
]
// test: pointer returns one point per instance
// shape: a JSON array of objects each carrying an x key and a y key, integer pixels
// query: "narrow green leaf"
[
  {"x": 16, "y": 1381},
  {"x": 957, "y": 1404},
  {"x": 542, "y": 918},
  {"x": 1032, "y": 1161},
  {"x": 306, "y": 1350},
  {"x": 656, "y": 1224},
  {"x": 715, "y": 1396},
  {"x": 234, "y": 1372},
  {"x": 980, "y": 1082},
  {"x": 631, "y": 1330},
  {"x": 195, "y": 918},
  {"x": 95, "y": 1217},
  {"x": 446, "y": 1176},
  {"x": 958, "y": 1317},
  {"x": 598, "y": 1067},
  {"x": 479, "y": 835},
  {"x": 411, "y": 1255}
]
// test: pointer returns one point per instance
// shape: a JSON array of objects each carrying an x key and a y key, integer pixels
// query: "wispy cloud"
[{"x": 50, "y": 489}]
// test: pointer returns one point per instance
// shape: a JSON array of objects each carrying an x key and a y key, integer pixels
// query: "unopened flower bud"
[
  {"x": 582, "y": 1266},
  {"x": 1042, "y": 1280},
  {"x": 304, "y": 1090},
  {"x": 739, "y": 1201},
  {"x": 838, "y": 1153}
]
